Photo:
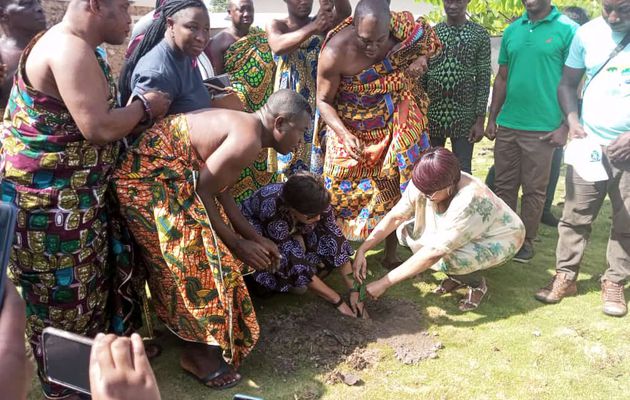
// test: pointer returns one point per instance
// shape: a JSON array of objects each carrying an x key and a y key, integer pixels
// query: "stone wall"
[{"x": 55, "y": 9}]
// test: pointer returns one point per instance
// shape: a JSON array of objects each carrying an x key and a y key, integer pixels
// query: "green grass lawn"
[{"x": 512, "y": 347}]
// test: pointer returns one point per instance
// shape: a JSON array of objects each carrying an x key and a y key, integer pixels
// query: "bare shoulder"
[
  {"x": 58, "y": 51},
  {"x": 277, "y": 26},
  {"x": 338, "y": 47},
  {"x": 234, "y": 131},
  {"x": 222, "y": 41},
  {"x": 68, "y": 49},
  {"x": 244, "y": 128},
  {"x": 342, "y": 41}
]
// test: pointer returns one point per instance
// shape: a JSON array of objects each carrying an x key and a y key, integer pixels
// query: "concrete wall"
[
  {"x": 265, "y": 10},
  {"x": 55, "y": 10}
]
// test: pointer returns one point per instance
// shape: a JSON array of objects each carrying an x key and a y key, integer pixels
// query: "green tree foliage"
[
  {"x": 496, "y": 15},
  {"x": 218, "y": 5}
]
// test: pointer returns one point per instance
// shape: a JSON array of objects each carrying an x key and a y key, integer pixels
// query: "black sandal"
[{"x": 224, "y": 369}]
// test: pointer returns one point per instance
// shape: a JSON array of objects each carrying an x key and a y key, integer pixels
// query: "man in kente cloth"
[
  {"x": 295, "y": 42},
  {"x": 59, "y": 145},
  {"x": 374, "y": 131},
  {"x": 167, "y": 186},
  {"x": 242, "y": 52}
]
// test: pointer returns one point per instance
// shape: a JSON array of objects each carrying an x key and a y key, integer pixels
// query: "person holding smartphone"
[{"x": 119, "y": 367}]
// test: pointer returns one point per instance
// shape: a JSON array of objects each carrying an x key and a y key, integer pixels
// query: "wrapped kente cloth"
[
  {"x": 378, "y": 106},
  {"x": 73, "y": 274}
]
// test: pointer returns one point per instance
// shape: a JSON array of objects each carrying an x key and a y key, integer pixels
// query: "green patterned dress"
[{"x": 250, "y": 65}]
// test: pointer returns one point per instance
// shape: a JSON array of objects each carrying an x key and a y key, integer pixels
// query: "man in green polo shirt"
[{"x": 525, "y": 116}]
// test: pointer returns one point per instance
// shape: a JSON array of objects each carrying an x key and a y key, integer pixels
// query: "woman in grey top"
[{"x": 165, "y": 59}]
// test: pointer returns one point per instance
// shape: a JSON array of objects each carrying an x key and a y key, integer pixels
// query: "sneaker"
[
  {"x": 558, "y": 288},
  {"x": 549, "y": 219},
  {"x": 525, "y": 254},
  {"x": 614, "y": 300}
]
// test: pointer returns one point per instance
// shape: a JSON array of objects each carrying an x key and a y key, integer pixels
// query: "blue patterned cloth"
[{"x": 324, "y": 245}]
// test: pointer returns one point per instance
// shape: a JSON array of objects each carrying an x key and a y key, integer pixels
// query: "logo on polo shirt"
[{"x": 549, "y": 40}]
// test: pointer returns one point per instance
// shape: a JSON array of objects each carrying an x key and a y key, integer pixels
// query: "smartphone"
[
  {"x": 217, "y": 85},
  {"x": 67, "y": 359},
  {"x": 219, "y": 82},
  {"x": 8, "y": 215}
]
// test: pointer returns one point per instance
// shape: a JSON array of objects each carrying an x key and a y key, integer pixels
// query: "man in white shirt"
[{"x": 605, "y": 120}]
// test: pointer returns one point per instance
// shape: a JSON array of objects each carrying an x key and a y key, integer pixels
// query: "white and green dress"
[{"x": 476, "y": 232}]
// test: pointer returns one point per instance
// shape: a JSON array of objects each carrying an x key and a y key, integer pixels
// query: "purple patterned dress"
[{"x": 325, "y": 247}]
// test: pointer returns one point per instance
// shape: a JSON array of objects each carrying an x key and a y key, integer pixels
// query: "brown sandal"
[
  {"x": 474, "y": 297},
  {"x": 448, "y": 285}
]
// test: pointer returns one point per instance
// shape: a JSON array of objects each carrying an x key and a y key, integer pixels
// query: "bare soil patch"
[{"x": 316, "y": 335}]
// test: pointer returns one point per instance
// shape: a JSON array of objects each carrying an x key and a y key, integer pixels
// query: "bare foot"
[{"x": 205, "y": 362}]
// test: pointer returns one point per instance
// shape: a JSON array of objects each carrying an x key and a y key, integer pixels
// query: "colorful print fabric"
[
  {"x": 61, "y": 258},
  {"x": 378, "y": 107},
  {"x": 250, "y": 65},
  {"x": 297, "y": 71},
  {"x": 196, "y": 284},
  {"x": 458, "y": 80}
]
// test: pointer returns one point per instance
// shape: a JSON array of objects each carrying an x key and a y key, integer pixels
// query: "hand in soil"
[
  {"x": 358, "y": 307},
  {"x": 346, "y": 310}
]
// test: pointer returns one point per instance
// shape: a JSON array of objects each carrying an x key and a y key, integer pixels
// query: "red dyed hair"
[{"x": 436, "y": 170}]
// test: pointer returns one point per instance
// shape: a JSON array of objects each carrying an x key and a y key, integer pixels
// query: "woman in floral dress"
[{"x": 452, "y": 223}]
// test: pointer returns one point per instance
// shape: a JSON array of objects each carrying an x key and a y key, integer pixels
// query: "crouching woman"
[
  {"x": 452, "y": 223},
  {"x": 298, "y": 218}
]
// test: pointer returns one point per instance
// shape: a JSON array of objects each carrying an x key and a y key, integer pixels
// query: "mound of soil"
[{"x": 319, "y": 336}]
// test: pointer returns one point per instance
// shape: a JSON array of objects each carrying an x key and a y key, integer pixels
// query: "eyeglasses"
[{"x": 431, "y": 195}]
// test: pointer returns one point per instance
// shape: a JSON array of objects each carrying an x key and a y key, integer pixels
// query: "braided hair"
[{"x": 153, "y": 35}]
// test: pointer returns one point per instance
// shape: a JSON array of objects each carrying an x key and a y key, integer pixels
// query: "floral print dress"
[{"x": 477, "y": 231}]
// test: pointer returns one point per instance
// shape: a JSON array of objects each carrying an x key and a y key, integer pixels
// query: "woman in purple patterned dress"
[{"x": 297, "y": 216}]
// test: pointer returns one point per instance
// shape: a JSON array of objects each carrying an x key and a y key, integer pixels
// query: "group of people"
[{"x": 331, "y": 130}]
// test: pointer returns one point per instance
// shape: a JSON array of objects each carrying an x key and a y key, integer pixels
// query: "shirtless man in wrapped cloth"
[{"x": 194, "y": 251}]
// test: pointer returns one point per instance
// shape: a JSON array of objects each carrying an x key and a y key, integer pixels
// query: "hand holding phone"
[
  {"x": 15, "y": 370},
  {"x": 218, "y": 85},
  {"x": 120, "y": 369}
]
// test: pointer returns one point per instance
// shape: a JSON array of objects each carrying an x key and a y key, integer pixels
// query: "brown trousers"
[
  {"x": 582, "y": 204},
  {"x": 522, "y": 160}
]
